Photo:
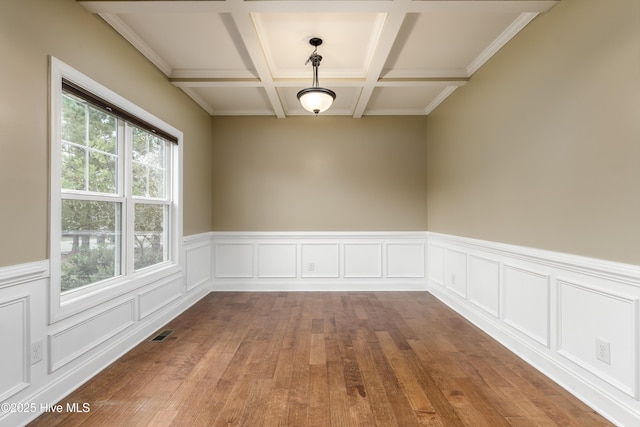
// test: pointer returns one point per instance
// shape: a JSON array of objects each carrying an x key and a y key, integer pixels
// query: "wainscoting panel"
[
  {"x": 277, "y": 260},
  {"x": 319, "y": 261},
  {"x": 526, "y": 302},
  {"x": 72, "y": 342},
  {"x": 405, "y": 260},
  {"x": 15, "y": 355},
  {"x": 233, "y": 260},
  {"x": 435, "y": 262},
  {"x": 484, "y": 284},
  {"x": 587, "y": 315},
  {"x": 576, "y": 319},
  {"x": 363, "y": 260},
  {"x": 198, "y": 263},
  {"x": 159, "y": 295},
  {"x": 455, "y": 271}
]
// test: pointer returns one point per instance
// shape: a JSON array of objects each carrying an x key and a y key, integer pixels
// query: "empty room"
[{"x": 320, "y": 213}]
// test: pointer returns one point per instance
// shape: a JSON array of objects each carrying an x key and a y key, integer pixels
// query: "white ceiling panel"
[
  {"x": 445, "y": 41},
  {"x": 223, "y": 100},
  {"x": 411, "y": 100},
  {"x": 192, "y": 41},
  {"x": 349, "y": 40},
  {"x": 241, "y": 57}
]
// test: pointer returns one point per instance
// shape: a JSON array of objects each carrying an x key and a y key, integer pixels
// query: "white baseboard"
[{"x": 549, "y": 308}]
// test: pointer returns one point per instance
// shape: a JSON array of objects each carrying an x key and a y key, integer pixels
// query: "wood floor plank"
[
  {"x": 335, "y": 359},
  {"x": 486, "y": 407},
  {"x": 376, "y": 394},
  {"x": 402, "y": 410},
  {"x": 298, "y": 404},
  {"x": 407, "y": 378},
  {"x": 257, "y": 402},
  {"x": 441, "y": 404},
  {"x": 318, "y": 413},
  {"x": 338, "y": 401}
]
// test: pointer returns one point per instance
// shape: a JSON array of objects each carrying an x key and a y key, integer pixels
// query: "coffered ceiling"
[{"x": 247, "y": 57}]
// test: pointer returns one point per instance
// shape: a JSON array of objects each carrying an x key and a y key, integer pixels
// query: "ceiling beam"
[
  {"x": 254, "y": 48},
  {"x": 388, "y": 36}
]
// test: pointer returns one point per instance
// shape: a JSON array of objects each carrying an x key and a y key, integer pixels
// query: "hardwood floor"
[{"x": 322, "y": 359}]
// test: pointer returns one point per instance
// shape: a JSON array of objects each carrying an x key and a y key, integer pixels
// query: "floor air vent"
[{"x": 162, "y": 335}]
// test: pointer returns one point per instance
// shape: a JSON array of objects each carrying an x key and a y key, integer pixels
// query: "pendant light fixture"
[{"x": 315, "y": 98}]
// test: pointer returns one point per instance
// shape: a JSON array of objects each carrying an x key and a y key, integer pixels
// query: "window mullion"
[
  {"x": 86, "y": 147},
  {"x": 128, "y": 221}
]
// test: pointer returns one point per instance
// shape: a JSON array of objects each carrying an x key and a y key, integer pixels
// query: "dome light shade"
[{"x": 316, "y": 99}]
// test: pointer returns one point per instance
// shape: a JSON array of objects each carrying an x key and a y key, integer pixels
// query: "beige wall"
[
  {"x": 319, "y": 174},
  {"x": 29, "y": 32},
  {"x": 542, "y": 147}
]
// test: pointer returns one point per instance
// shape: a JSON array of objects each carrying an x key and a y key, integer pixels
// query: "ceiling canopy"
[{"x": 381, "y": 57}]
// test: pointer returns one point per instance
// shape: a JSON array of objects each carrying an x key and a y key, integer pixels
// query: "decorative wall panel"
[
  {"x": 405, "y": 260},
  {"x": 435, "y": 262},
  {"x": 76, "y": 340},
  {"x": 484, "y": 284},
  {"x": 159, "y": 295},
  {"x": 586, "y": 315},
  {"x": 15, "y": 355},
  {"x": 363, "y": 260},
  {"x": 455, "y": 271},
  {"x": 320, "y": 260},
  {"x": 526, "y": 302},
  {"x": 198, "y": 263},
  {"x": 277, "y": 260},
  {"x": 234, "y": 260}
]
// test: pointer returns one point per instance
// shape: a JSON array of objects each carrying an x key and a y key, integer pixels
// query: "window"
[{"x": 115, "y": 212}]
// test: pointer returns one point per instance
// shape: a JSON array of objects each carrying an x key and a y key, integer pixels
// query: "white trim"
[
  {"x": 610, "y": 270},
  {"x": 439, "y": 99},
  {"x": 25, "y": 302},
  {"x": 133, "y": 38},
  {"x": 601, "y": 293},
  {"x": 18, "y": 274},
  {"x": 545, "y": 339},
  {"x": 240, "y": 261},
  {"x": 514, "y": 28},
  {"x": 55, "y": 364}
]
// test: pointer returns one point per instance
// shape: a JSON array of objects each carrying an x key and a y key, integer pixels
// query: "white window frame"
[{"x": 63, "y": 305}]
